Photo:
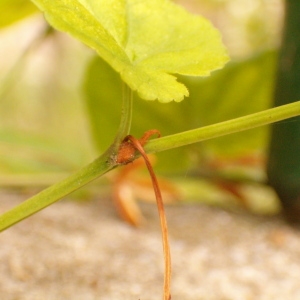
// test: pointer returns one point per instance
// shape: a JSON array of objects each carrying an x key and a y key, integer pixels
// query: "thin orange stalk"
[{"x": 138, "y": 145}]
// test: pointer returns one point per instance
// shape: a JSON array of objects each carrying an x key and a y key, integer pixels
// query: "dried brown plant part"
[
  {"x": 123, "y": 196},
  {"x": 127, "y": 151},
  {"x": 127, "y": 187},
  {"x": 138, "y": 145},
  {"x": 143, "y": 140},
  {"x": 234, "y": 189}
]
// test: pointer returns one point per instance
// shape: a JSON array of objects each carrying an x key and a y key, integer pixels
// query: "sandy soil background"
[{"x": 81, "y": 250}]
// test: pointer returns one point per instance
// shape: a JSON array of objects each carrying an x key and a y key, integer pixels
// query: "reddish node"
[{"x": 127, "y": 150}]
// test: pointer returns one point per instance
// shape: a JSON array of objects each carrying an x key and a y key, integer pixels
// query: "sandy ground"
[{"x": 75, "y": 250}]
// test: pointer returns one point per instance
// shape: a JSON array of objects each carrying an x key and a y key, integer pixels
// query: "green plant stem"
[
  {"x": 107, "y": 162},
  {"x": 126, "y": 116},
  {"x": 55, "y": 192},
  {"x": 223, "y": 128},
  {"x": 99, "y": 167}
]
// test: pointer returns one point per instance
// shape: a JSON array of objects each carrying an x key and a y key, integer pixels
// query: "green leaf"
[
  {"x": 243, "y": 87},
  {"x": 145, "y": 41},
  {"x": 14, "y": 10}
]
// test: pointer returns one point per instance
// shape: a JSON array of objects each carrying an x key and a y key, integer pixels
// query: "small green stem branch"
[
  {"x": 126, "y": 116},
  {"x": 106, "y": 162},
  {"x": 220, "y": 129}
]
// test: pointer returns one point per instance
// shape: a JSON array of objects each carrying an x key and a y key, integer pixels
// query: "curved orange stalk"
[
  {"x": 131, "y": 143},
  {"x": 127, "y": 188}
]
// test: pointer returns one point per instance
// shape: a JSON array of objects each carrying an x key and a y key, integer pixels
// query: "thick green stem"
[
  {"x": 106, "y": 162},
  {"x": 220, "y": 129},
  {"x": 99, "y": 167},
  {"x": 55, "y": 192}
]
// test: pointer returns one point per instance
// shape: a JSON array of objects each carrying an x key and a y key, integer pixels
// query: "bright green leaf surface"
[
  {"x": 145, "y": 41},
  {"x": 240, "y": 88},
  {"x": 14, "y": 10}
]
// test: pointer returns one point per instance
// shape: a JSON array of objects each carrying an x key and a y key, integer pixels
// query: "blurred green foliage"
[{"x": 59, "y": 108}]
